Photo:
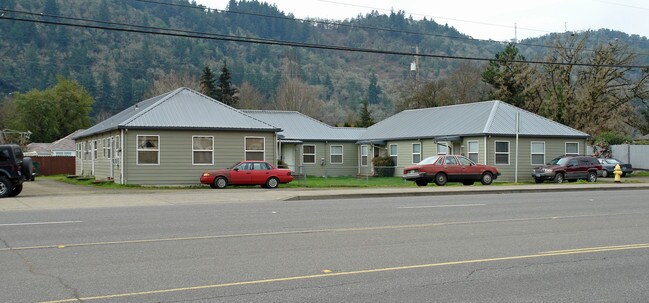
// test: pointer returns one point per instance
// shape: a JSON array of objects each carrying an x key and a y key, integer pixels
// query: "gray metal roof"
[
  {"x": 297, "y": 126},
  {"x": 480, "y": 118},
  {"x": 182, "y": 108}
]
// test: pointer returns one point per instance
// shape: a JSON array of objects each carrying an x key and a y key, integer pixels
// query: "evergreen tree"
[
  {"x": 507, "y": 77},
  {"x": 365, "y": 119},
  {"x": 373, "y": 90},
  {"x": 208, "y": 83},
  {"x": 225, "y": 92}
]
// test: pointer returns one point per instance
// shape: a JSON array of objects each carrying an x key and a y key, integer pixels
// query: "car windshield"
[
  {"x": 234, "y": 165},
  {"x": 559, "y": 161},
  {"x": 429, "y": 160}
]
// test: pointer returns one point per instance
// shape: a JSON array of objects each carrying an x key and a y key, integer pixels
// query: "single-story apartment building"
[
  {"x": 172, "y": 138},
  {"x": 491, "y": 132},
  {"x": 311, "y": 147}
]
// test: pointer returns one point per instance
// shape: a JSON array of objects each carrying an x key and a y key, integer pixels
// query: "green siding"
[{"x": 349, "y": 167}]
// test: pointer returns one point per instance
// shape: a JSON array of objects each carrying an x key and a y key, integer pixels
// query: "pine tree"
[
  {"x": 208, "y": 83},
  {"x": 365, "y": 119},
  {"x": 225, "y": 92},
  {"x": 373, "y": 90}
]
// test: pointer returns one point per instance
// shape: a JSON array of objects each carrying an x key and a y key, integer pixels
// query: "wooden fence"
[{"x": 55, "y": 165}]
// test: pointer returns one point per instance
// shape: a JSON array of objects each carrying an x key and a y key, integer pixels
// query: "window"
[
  {"x": 336, "y": 154},
  {"x": 94, "y": 149},
  {"x": 202, "y": 150},
  {"x": 148, "y": 150},
  {"x": 538, "y": 153},
  {"x": 109, "y": 148},
  {"x": 464, "y": 161},
  {"x": 394, "y": 152},
  {"x": 117, "y": 150},
  {"x": 473, "y": 151},
  {"x": 572, "y": 148},
  {"x": 364, "y": 155},
  {"x": 442, "y": 148},
  {"x": 308, "y": 154},
  {"x": 103, "y": 147},
  {"x": 79, "y": 150},
  {"x": 416, "y": 152},
  {"x": 502, "y": 152},
  {"x": 255, "y": 148},
  {"x": 260, "y": 166},
  {"x": 450, "y": 161}
]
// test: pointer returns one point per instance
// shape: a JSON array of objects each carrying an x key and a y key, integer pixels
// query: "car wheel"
[
  {"x": 538, "y": 180},
  {"x": 604, "y": 173},
  {"x": 220, "y": 182},
  {"x": 440, "y": 179},
  {"x": 487, "y": 178},
  {"x": 558, "y": 178},
  {"x": 272, "y": 183},
  {"x": 592, "y": 176},
  {"x": 467, "y": 183},
  {"x": 5, "y": 187},
  {"x": 421, "y": 182},
  {"x": 16, "y": 190}
]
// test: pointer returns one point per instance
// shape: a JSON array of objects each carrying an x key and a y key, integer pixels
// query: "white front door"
[{"x": 288, "y": 156}]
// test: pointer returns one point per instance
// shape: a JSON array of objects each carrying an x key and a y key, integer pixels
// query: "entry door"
[{"x": 288, "y": 156}]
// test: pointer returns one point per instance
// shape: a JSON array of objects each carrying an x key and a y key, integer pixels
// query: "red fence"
[{"x": 58, "y": 165}]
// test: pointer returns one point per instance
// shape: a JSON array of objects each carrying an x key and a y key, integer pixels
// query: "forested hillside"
[{"x": 121, "y": 50}]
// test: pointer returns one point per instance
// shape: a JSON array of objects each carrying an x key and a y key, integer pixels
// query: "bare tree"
[
  {"x": 294, "y": 94},
  {"x": 250, "y": 97}
]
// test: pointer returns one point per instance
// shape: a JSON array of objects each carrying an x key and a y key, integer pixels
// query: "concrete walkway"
[{"x": 48, "y": 194}]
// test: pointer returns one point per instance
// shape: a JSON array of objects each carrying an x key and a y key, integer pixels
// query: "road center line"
[
  {"x": 39, "y": 223},
  {"x": 589, "y": 250},
  {"x": 307, "y": 231},
  {"x": 440, "y": 206}
]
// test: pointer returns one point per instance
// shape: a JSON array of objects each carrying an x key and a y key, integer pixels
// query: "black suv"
[
  {"x": 14, "y": 170},
  {"x": 569, "y": 168}
]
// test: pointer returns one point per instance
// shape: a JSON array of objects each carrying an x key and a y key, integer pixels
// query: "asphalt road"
[{"x": 529, "y": 247}]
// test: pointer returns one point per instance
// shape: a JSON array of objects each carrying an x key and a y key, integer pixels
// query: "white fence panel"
[{"x": 637, "y": 155}]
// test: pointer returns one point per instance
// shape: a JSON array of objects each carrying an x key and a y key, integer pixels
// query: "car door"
[
  {"x": 452, "y": 168},
  {"x": 469, "y": 169},
  {"x": 260, "y": 173},
  {"x": 572, "y": 169},
  {"x": 241, "y": 174}
]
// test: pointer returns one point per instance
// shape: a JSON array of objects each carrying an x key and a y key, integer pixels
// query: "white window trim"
[
  {"x": 468, "y": 150},
  {"x": 109, "y": 148},
  {"x": 442, "y": 143},
  {"x": 396, "y": 156},
  {"x": 532, "y": 153},
  {"x": 116, "y": 148},
  {"x": 103, "y": 142},
  {"x": 413, "y": 153},
  {"x": 566, "y": 149},
  {"x": 314, "y": 154},
  {"x": 245, "y": 150},
  {"x": 94, "y": 150},
  {"x": 203, "y": 150},
  {"x": 342, "y": 153},
  {"x": 366, "y": 155},
  {"x": 508, "y": 153},
  {"x": 137, "y": 150}
]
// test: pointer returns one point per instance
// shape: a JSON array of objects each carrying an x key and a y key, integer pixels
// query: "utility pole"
[{"x": 414, "y": 66}]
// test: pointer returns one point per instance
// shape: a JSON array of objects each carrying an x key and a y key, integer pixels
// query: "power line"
[
  {"x": 351, "y": 25},
  {"x": 218, "y": 37}
]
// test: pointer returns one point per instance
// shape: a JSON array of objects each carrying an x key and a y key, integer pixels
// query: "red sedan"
[
  {"x": 247, "y": 173},
  {"x": 450, "y": 168}
]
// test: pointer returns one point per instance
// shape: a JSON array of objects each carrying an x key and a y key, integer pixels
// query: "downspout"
[{"x": 122, "y": 180}]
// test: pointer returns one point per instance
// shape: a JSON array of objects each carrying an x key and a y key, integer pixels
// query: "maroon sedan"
[
  {"x": 247, "y": 173},
  {"x": 450, "y": 168}
]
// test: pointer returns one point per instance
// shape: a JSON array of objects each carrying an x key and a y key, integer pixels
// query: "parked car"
[
  {"x": 247, "y": 173},
  {"x": 608, "y": 166},
  {"x": 450, "y": 168},
  {"x": 570, "y": 168},
  {"x": 15, "y": 169}
]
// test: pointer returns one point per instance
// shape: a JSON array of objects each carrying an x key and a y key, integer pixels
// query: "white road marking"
[
  {"x": 440, "y": 206},
  {"x": 39, "y": 223}
]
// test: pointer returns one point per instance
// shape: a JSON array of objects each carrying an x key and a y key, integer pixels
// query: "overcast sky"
[{"x": 493, "y": 19}]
